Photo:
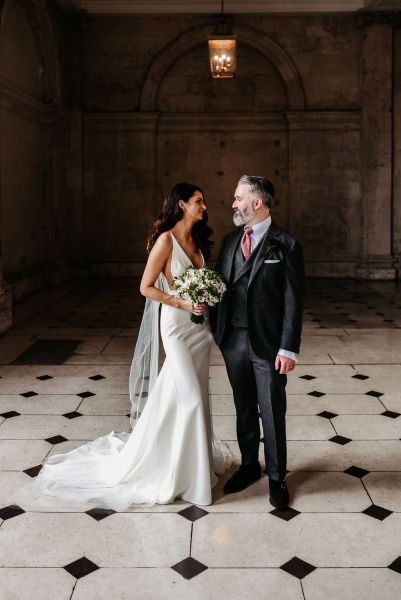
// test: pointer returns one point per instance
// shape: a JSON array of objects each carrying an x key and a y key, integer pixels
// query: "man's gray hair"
[{"x": 260, "y": 187}]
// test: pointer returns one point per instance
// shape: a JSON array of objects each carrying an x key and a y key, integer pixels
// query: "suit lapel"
[
  {"x": 229, "y": 255},
  {"x": 271, "y": 234},
  {"x": 248, "y": 264}
]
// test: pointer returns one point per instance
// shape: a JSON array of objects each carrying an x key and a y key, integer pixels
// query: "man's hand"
[{"x": 284, "y": 365}]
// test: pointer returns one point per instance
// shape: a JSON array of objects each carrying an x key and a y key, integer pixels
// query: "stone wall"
[
  {"x": 37, "y": 233},
  {"x": 310, "y": 108},
  {"x": 100, "y": 116}
]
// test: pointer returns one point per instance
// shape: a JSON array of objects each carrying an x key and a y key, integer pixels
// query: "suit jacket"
[{"x": 274, "y": 294}]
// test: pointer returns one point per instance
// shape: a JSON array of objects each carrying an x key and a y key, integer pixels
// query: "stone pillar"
[
  {"x": 5, "y": 290},
  {"x": 376, "y": 152},
  {"x": 397, "y": 150},
  {"x": 75, "y": 25}
]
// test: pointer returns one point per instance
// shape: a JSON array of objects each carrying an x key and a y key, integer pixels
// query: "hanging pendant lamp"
[{"x": 223, "y": 48}]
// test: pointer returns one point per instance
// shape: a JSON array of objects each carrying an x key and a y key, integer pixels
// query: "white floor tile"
[
  {"x": 36, "y": 427},
  {"x": 385, "y": 489},
  {"x": 22, "y": 454},
  {"x": 351, "y": 584},
  {"x": 140, "y": 540},
  {"x": 308, "y": 428},
  {"x": 326, "y": 492},
  {"x": 352, "y": 404},
  {"x": 46, "y": 539},
  {"x": 323, "y": 540},
  {"x": 328, "y": 456},
  {"x": 41, "y": 404},
  {"x": 10, "y": 482},
  {"x": 165, "y": 584},
  {"x": 35, "y": 584},
  {"x": 368, "y": 427}
]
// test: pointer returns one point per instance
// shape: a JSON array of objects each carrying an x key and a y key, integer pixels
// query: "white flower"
[{"x": 200, "y": 285}]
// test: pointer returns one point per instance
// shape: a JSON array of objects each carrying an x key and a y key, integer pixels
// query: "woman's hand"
[{"x": 198, "y": 309}]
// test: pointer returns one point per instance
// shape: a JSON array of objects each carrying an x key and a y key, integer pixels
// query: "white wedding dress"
[{"x": 172, "y": 451}]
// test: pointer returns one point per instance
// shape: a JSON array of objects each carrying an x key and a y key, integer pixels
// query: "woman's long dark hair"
[{"x": 172, "y": 213}]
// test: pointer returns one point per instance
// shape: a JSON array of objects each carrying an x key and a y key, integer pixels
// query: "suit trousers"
[{"x": 255, "y": 382}]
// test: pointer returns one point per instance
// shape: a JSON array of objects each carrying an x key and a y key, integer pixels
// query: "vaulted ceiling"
[{"x": 164, "y": 7}]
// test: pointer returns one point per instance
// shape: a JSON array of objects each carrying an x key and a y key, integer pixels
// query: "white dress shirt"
[{"x": 258, "y": 231}]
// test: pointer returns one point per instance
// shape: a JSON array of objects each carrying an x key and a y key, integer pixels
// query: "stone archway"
[
  {"x": 42, "y": 30},
  {"x": 188, "y": 40}
]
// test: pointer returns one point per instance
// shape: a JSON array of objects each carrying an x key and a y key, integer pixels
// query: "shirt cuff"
[{"x": 288, "y": 354}]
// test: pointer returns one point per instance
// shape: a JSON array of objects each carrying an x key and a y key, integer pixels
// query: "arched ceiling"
[{"x": 165, "y": 7}]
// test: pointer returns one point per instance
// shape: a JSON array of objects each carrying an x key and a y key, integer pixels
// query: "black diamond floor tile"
[
  {"x": 8, "y": 512},
  {"x": 340, "y": 439},
  {"x": 44, "y": 377},
  {"x": 396, "y": 565},
  {"x": 193, "y": 513},
  {"x": 360, "y": 376},
  {"x": 316, "y": 394},
  {"x": 286, "y": 514},
  {"x": 100, "y": 513},
  {"x": 72, "y": 415},
  {"x": 326, "y": 414},
  {"x": 189, "y": 567},
  {"x": 307, "y": 377},
  {"x": 356, "y": 471},
  {"x": 81, "y": 567},
  {"x": 390, "y": 413},
  {"x": 97, "y": 377},
  {"x": 298, "y": 567},
  {"x": 56, "y": 439},
  {"x": 374, "y": 394},
  {"x": 86, "y": 394},
  {"x": 9, "y": 414},
  {"x": 33, "y": 471},
  {"x": 47, "y": 352},
  {"x": 377, "y": 512},
  {"x": 29, "y": 394}
]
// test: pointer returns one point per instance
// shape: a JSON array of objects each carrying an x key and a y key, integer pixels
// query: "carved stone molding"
[
  {"x": 196, "y": 122},
  {"x": 13, "y": 100},
  {"x": 230, "y": 122},
  {"x": 367, "y": 19},
  {"x": 324, "y": 120},
  {"x": 195, "y": 37},
  {"x": 132, "y": 121}
]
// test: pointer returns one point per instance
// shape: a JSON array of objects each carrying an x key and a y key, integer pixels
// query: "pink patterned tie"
[{"x": 246, "y": 242}]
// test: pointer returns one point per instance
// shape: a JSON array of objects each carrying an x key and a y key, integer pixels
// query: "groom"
[{"x": 258, "y": 329}]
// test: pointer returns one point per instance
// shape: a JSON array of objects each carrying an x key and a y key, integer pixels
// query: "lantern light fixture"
[{"x": 223, "y": 48}]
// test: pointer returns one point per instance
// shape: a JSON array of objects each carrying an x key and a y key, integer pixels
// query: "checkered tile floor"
[{"x": 63, "y": 380}]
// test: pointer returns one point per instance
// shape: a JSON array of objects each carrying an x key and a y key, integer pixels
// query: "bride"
[{"x": 171, "y": 451}]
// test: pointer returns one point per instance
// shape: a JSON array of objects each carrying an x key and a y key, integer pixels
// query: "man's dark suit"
[{"x": 260, "y": 313}]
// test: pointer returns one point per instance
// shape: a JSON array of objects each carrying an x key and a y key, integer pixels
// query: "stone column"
[
  {"x": 5, "y": 290},
  {"x": 376, "y": 151},
  {"x": 75, "y": 25},
  {"x": 397, "y": 150}
]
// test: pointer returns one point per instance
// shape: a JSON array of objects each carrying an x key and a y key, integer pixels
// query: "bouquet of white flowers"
[{"x": 200, "y": 286}]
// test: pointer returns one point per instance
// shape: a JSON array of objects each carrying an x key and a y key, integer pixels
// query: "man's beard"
[{"x": 243, "y": 217}]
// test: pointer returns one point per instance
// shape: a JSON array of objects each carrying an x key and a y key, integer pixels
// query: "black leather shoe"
[
  {"x": 279, "y": 495},
  {"x": 242, "y": 478}
]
